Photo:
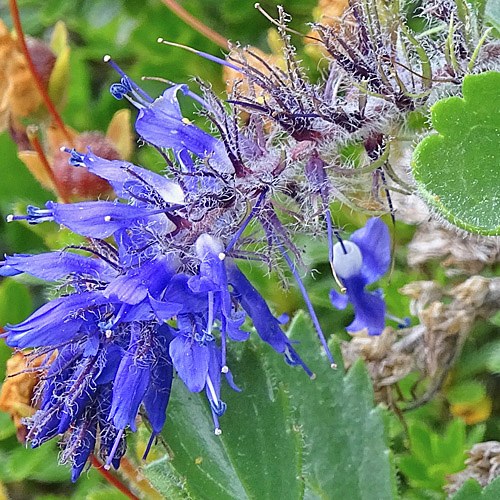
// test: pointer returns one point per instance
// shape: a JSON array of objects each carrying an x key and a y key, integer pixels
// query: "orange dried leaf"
[
  {"x": 120, "y": 133},
  {"x": 37, "y": 168},
  {"x": 17, "y": 391}
]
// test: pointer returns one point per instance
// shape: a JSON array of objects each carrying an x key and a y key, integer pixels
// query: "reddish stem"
[
  {"x": 112, "y": 479},
  {"x": 14, "y": 11},
  {"x": 33, "y": 138},
  {"x": 196, "y": 24}
]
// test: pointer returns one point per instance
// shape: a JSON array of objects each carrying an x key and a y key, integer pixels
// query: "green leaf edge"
[{"x": 429, "y": 197}]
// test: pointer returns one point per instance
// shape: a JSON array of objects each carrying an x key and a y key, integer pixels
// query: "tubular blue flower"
[
  {"x": 197, "y": 360},
  {"x": 366, "y": 259},
  {"x": 132, "y": 379},
  {"x": 59, "y": 320},
  {"x": 267, "y": 326},
  {"x": 95, "y": 219},
  {"x": 162, "y": 124},
  {"x": 133, "y": 183}
]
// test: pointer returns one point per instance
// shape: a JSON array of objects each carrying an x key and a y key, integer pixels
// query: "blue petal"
[
  {"x": 125, "y": 178},
  {"x": 338, "y": 300},
  {"x": 168, "y": 103},
  {"x": 79, "y": 389},
  {"x": 55, "y": 322},
  {"x": 191, "y": 362},
  {"x": 130, "y": 385},
  {"x": 108, "y": 432},
  {"x": 163, "y": 126},
  {"x": 374, "y": 242},
  {"x": 58, "y": 372},
  {"x": 369, "y": 308},
  {"x": 133, "y": 287},
  {"x": 178, "y": 292},
  {"x": 160, "y": 384},
  {"x": 114, "y": 355},
  {"x": 56, "y": 265},
  {"x": 85, "y": 447},
  {"x": 98, "y": 219},
  {"x": 165, "y": 310},
  {"x": 265, "y": 323},
  {"x": 233, "y": 327},
  {"x": 212, "y": 274}
]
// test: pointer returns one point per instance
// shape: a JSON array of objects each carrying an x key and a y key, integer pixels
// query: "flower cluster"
[{"x": 157, "y": 289}]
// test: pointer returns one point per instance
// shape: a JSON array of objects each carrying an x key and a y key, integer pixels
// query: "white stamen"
[
  {"x": 160, "y": 40},
  {"x": 218, "y": 431},
  {"x": 347, "y": 264},
  {"x": 225, "y": 369},
  {"x": 333, "y": 366},
  {"x": 108, "y": 333},
  {"x": 63, "y": 149},
  {"x": 212, "y": 391},
  {"x": 313, "y": 376},
  {"x": 9, "y": 218},
  {"x": 106, "y": 58},
  {"x": 222, "y": 256},
  {"x": 107, "y": 218}
]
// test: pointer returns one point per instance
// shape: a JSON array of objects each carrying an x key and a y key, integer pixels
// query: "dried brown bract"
[
  {"x": 17, "y": 391},
  {"x": 470, "y": 253},
  {"x": 483, "y": 466},
  {"x": 431, "y": 347},
  {"x": 385, "y": 365}
]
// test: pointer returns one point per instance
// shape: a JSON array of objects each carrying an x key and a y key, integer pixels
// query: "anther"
[
  {"x": 9, "y": 218},
  {"x": 222, "y": 256},
  {"x": 333, "y": 366},
  {"x": 313, "y": 377},
  {"x": 218, "y": 431},
  {"x": 225, "y": 369},
  {"x": 106, "y": 58},
  {"x": 108, "y": 333},
  {"x": 107, "y": 218},
  {"x": 187, "y": 121},
  {"x": 160, "y": 40}
]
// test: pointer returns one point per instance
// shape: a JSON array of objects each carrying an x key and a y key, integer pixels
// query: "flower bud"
[{"x": 347, "y": 264}]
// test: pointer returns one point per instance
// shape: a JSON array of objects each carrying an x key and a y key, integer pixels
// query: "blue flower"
[
  {"x": 359, "y": 262},
  {"x": 165, "y": 252}
]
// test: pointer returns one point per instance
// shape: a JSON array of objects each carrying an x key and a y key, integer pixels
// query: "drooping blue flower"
[{"x": 358, "y": 262}]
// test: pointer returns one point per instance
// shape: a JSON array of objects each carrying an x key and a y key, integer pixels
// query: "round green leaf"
[{"x": 457, "y": 170}]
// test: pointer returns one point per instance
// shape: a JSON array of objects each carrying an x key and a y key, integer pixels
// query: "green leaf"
[
  {"x": 7, "y": 427},
  {"x": 458, "y": 170},
  {"x": 15, "y": 302},
  {"x": 344, "y": 434},
  {"x": 38, "y": 464},
  {"x": 492, "y": 13},
  {"x": 267, "y": 427},
  {"x": 471, "y": 490},
  {"x": 433, "y": 456},
  {"x": 106, "y": 494},
  {"x": 468, "y": 391}
]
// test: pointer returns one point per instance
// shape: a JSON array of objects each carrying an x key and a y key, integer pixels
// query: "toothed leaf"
[{"x": 457, "y": 170}]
